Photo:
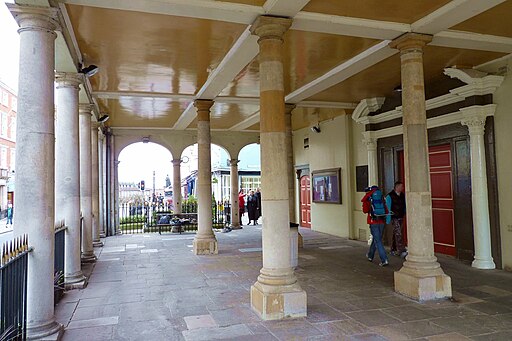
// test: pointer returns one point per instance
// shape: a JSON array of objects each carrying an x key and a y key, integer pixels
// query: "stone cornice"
[{"x": 365, "y": 107}]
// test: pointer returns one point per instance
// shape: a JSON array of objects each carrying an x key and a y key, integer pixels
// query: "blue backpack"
[{"x": 378, "y": 204}]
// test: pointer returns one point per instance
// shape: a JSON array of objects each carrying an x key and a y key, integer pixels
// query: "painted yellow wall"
[
  {"x": 503, "y": 127},
  {"x": 329, "y": 149}
]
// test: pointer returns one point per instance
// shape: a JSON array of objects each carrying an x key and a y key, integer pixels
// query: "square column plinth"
[
  {"x": 278, "y": 302},
  {"x": 206, "y": 246},
  {"x": 423, "y": 287}
]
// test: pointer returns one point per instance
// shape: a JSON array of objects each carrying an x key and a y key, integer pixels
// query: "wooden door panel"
[{"x": 305, "y": 201}]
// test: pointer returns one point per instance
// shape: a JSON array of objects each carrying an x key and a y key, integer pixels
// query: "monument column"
[
  {"x": 176, "y": 185},
  {"x": 479, "y": 194},
  {"x": 421, "y": 276},
  {"x": 34, "y": 202},
  {"x": 276, "y": 294},
  {"x": 235, "y": 210},
  {"x": 95, "y": 191},
  {"x": 205, "y": 242}
]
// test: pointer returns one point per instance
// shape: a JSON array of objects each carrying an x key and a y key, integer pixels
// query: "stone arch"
[{"x": 122, "y": 142}]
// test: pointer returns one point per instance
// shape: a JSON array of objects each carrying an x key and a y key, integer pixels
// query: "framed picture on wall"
[{"x": 326, "y": 186}]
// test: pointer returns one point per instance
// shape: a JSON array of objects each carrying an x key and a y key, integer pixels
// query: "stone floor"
[{"x": 151, "y": 287}]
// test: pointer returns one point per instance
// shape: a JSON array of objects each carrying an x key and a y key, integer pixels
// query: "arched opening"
[{"x": 249, "y": 180}]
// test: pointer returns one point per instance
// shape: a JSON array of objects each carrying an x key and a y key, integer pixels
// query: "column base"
[
  {"x": 423, "y": 284},
  {"x": 103, "y": 235},
  {"x": 205, "y": 246},
  {"x": 48, "y": 331},
  {"x": 78, "y": 281},
  {"x": 276, "y": 302},
  {"x": 97, "y": 243},
  {"x": 236, "y": 226},
  {"x": 485, "y": 264},
  {"x": 301, "y": 241},
  {"x": 88, "y": 258}
]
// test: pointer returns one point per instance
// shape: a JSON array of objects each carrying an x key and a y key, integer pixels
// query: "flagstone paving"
[{"x": 152, "y": 287}]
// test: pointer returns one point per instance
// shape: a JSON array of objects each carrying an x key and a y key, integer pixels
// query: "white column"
[
  {"x": 34, "y": 202},
  {"x": 116, "y": 197},
  {"x": 86, "y": 182},
  {"x": 235, "y": 210},
  {"x": 205, "y": 242},
  {"x": 176, "y": 185},
  {"x": 479, "y": 194},
  {"x": 373, "y": 168},
  {"x": 101, "y": 184},
  {"x": 95, "y": 185},
  {"x": 67, "y": 174}
]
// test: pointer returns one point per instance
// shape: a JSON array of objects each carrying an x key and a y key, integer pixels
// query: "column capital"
[
  {"x": 268, "y": 27},
  {"x": 475, "y": 124},
  {"x": 68, "y": 80},
  {"x": 288, "y": 108},
  {"x": 370, "y": 141},
  {"x": 94, "y": 124},
  {"x": 410, "y": 41},
  {"x": 176, "y": 162},
  {"x": 85, "y": 109},
  {"x": 34, "y": 18},
  {"x": 234, "y": 162},
  {"x": 203, "y": 107}
]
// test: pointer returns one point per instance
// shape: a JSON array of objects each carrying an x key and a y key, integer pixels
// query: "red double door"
[
  {"x": 305, "y": 201},
  {"x": 441, "y": 181}
]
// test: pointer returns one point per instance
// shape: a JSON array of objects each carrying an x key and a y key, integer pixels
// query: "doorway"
[{"x": 305, "y": 201}]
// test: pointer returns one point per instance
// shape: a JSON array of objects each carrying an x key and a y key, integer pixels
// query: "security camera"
[{"x": 316, "y": 129}]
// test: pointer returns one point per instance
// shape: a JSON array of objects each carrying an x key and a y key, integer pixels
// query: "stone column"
[
  {"x": 421, "y": 276},
  {"x": 176, "y": 185},
  {"x": 67, "y": 174},
  {"x": 86, "y": 182},
  {"x": 276, "y": 294},
  {"x": 235, "y": 210},
  {"x": 116, "y": 197},
  {"x": 373, "y": 162},
  {"x": 34, "y": 202},
  {"x": 479, "y": 194},
  {"x": 101, "y": 184},
  {"x": 205, "y": 242},
  {"x": 95, "y": 185}
]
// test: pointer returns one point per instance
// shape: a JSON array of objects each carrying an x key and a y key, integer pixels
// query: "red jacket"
[
  {"x": 367, "y": 206},
  {"x": 241, "y": 201}
]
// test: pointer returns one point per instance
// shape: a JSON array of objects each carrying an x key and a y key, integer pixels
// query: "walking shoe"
[
  {"x": 385, "y": 263},
  {"x": 370, "y": 259},
  {"x": 403, "y": 254},
  {"x": 393, "y": 253}
]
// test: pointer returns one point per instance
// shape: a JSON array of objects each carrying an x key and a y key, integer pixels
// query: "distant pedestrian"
[
  {"x": 252, "y": 208},
  {"x": 241, "y": 205},
  {"x": 258, "y": 195},
  {"x": 375, "y": 206},
  {"x": 10, "y": 213},
  {"x": 395, "y": 200}
]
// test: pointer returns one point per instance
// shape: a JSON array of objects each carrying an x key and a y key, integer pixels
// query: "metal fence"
[
  {"x": 58, "y": 262},
  {"x": 144, "y": 217},
  {"x": 13, "y": 289}
]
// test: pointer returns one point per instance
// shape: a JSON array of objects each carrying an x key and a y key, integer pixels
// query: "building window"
[
  {"x": 13, "y": 159},
  {"x": 13, "y": 128},
  {"x": 14, "y": 104},
  {"x": 226, "y": 187},
  {"x": 3, "y": 159},
  {"x": 5, "y": 98},
  {"x": 250, "y": 183},
  {"x": 4, "y": 124}
]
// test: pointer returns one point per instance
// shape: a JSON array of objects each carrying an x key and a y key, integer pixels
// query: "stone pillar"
[
  {"x": 116, "y": 197},
  {"x": 67, "y": 174},
  {"x": 235, "y": 210},
  {"x": 276, "y": 294},
  {"x": 373, "y": 162},
  {"x": 34, "y": 202},
  {"x": 86, "y": 182},
  {"x": 101, "y": 183},
  {"x": 421, "y": 276},
  {"x": 95, "y": 183},
  {"x": 176, "y": 185},
  {"x": 205, "y": 242},
  {"x": 112, "y": 181},
  {"x": 288, "y": 108},
  {"x": 479, "y": 194}
]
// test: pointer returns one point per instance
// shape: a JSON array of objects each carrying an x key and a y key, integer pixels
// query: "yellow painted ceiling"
[
  {"x": 245, "y": 2},
  {"x": 254, "y": 127},
  {"x": 403, "y": 11},
  {"x": 382, "y": 78},
  {"x": 307, "y": 117},
  {"x": 150, "y": 52},
  {"x": 308, "y": 55},
  {"x": 491, "y": 22},
  {"x": 226, "y": 115}
]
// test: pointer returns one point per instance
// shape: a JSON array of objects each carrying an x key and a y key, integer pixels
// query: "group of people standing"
[{"x": 253, "y": 204}]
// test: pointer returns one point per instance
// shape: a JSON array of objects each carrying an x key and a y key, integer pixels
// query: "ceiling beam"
[
  {"x": 119, "y": 94},
  {"x": 451, "y": 14},
  {"x": 472, "y": 41},
  {"x": 356, "y": 64},
  {"x": 248, "y": 122}
]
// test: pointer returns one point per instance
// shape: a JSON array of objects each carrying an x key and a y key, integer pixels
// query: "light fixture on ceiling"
[
  {"x": 398, "y": 88},
  {"x": 89, "y": 71},
  {"x": 145, "y": 139},
  {"x": 104, "y": 118},
  {"x": 316, "y": 128}
]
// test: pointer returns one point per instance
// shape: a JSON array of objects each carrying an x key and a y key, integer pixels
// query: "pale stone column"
[
  {"x": 421, "y": 276},
  {"x": 235, "y": 210},
  {"x": 101, "y": 166},
  {"x": 95, "y": 185},
  {"x": 116, "y": 197},
  {"x": 176, "y": 185},
  {"x": 373, "y": 162},
  {"x": 67, "y": 174},
  {"x": 205, "y": 242},
  {"x": 276, "y": 294},
  {"x": 34, "y": 202},
  {"x": 86, "y": 182},
  {"x": 479, "y": 194}
]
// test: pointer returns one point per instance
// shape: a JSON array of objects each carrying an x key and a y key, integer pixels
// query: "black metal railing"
[
  {"x": 58, "y": 261},
  {"x": 144, "y": 217},
  {"x": 13, "y": 289}
]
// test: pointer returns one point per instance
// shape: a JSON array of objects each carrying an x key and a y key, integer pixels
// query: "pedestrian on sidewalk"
[
  {"x": 375, "y": 207},
  {"x": 10, "y": 213},
  {"x": 252, "y": 208},
  {"x": 241, "y": 205},
  {"x": 395, "y": 200}
]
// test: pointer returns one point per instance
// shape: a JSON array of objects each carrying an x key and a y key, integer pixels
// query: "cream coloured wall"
[
  {"x": 503, "y": 126},
  {"x": 329, "y": 149}
]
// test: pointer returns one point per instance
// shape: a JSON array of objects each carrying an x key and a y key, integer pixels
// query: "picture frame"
[{"x": 326, "y": 186}]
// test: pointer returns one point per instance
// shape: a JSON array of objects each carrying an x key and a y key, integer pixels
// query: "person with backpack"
[
  {"x": 375, "y": 207},
  {"x": 395, "y": 200}
]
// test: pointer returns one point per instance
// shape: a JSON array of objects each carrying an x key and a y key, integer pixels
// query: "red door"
[
  {"x": 305, "y": 201},
  {"x": 442, "y": 198}
]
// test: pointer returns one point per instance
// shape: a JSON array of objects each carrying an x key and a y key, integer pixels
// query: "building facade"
[{"x": 8, "y": 109}]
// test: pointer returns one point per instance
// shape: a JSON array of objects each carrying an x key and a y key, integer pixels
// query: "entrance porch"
[{"x": 152, "y": 287}]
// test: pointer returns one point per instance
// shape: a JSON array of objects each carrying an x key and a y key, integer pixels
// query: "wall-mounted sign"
[{"x": 326, "y": 186}]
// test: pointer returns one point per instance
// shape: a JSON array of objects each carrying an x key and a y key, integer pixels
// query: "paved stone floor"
[{"x": 151, "y": 287}]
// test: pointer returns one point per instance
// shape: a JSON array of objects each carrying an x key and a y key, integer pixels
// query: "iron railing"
[
  {"x": 13, "y": 289},
  {"x": 58, "y": 261},
  {"x": 144, "y": 217}
]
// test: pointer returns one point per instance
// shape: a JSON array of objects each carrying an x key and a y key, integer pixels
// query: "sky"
[{"x": 9, "y": 38}]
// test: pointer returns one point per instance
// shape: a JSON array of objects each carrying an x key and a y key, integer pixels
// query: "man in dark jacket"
[
  {"x": 395, "y": 200},
  {"x": 252, "y": 208}
]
